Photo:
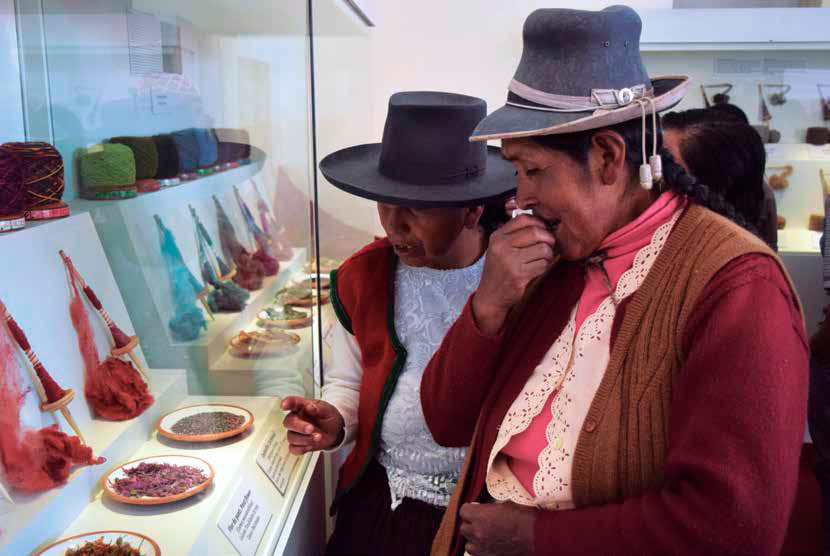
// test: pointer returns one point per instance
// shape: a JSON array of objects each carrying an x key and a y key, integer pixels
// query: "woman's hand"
[
  {"x": 500, "y": 529},
  {"x": 518, "y": 252},
  {"x": 312, "y": 425}
]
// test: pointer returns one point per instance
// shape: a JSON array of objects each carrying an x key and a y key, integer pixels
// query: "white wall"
[
  {"x": 11, "y": 117},
  {"x": 464, "y": 46}
]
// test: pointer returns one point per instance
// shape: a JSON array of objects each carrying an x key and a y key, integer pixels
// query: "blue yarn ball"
[
  {"x": 208, "y": 147},
  {"x": 187, "y": 147}
]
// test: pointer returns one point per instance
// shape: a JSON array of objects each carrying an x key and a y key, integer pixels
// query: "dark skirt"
[{"x": 366, "y": 524}]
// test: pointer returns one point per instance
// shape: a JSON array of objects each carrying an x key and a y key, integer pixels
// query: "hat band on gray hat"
[{"x": 600, "y": 99}]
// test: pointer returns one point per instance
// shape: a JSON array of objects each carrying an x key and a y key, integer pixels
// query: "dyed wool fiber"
[
  {"x": 226, "y": 297},
  {"x": 32, "y": 460},
  {"x": 107, "y": 172},
  {"x": 263, "y": 252},
  {"x": 187, "y": 321},
  {"x": 168, "y": 157},
  {"x": 280, "y": 247},
  {"x": 36, "y": 168},
  {"x": 114, "y": 390},
  {"x": 187, "y": 148},
  {"x": 208, "y": 147},
  {"x": 249, "y": 271}
]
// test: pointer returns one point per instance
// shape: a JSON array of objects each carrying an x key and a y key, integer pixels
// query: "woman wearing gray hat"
[
  {"x": 394, "y": 301},
  {"x": 645, "y": 394}
]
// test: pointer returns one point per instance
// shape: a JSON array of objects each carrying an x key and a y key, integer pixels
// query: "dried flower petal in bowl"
[
  {"x": 103, "y": 543},
  {"x": 158, "y": 479}
]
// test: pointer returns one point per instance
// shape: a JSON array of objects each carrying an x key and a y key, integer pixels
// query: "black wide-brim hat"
[
  {"x": 425, "y": 158},
  {"x": 579, "y": 70}
]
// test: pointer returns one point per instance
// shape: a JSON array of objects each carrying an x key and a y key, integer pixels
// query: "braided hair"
[{"x": 675, "y": 178}]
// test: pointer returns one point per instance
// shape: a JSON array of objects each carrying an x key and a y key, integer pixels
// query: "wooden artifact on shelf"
[
  {"x": 719, "y": 98},
  {"x": 779, "y": 98},
  {"x": 53, "y": 397},
  {"x": 779, "y": 180}
]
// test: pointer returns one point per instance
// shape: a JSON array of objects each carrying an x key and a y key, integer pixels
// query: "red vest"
[{"x": 362, "y": 293}]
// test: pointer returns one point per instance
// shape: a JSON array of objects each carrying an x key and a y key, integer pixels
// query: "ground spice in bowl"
[
  {"x": 101, "y": 548},
  {"x": 209, "y": 422},
  {"x": 157, "y": 480}
]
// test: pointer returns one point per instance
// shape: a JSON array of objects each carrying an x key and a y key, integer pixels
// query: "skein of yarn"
[
  {"x": 168, "y": 156},
  {"x": 208, "y": 150},
  {"x": 187, "y": 147},
  {"x": 146, "y": 161},
  {"x": 224, "y": 152},
  {"x": 107, "y": 172},
  {"x": 37, "y": 168},
  {"x": 12, "y": 195},
  {"x": 237, "y": 144}
]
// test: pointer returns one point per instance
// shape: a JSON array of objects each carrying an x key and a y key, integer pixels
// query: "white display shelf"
[
  {"x": 799, "y": 241},
  {"x": 189, "y": 527},
  {"x": 37, "y": 516},
  {"x": 729, "y": 29}
]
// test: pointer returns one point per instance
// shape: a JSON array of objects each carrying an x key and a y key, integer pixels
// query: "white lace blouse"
[{"x": 427, "y": 302}]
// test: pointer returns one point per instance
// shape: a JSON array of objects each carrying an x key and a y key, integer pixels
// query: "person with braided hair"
[
  {"x": 721, "y": 150},
  {"x": 634, "y": 359}
]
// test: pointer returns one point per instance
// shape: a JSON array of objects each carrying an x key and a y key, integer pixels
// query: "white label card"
[
  {"x": 275, "y": 460},
  {"x": 245, "y": 519}
]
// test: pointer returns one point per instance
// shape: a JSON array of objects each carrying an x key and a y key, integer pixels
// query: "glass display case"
[
  {"x": 774, "y": 64},
  {"x": 162, "y": 292}
]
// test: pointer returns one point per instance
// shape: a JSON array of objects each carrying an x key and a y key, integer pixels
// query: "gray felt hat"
[
  {"x": 425, "y": 158},
  {"x": 579, "y": 70}
]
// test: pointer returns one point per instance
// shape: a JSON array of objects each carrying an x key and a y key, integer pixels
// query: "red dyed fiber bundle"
[
  {"x": 114, "y": 389},
  {"x": 33, "y": 461},
  {"x": 249, "y": 271},
  {"x": 33, "y": 169},
  {"x": 270, "y": 265}
]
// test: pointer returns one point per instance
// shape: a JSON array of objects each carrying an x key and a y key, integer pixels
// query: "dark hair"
[
  {"x": 493, "y": 216},
  {"x": 729, "y": 111},
  {"x": 728, "y": 155},
  {"x": 577, "y": 145}
]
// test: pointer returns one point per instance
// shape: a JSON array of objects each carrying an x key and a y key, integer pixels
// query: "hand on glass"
[
  {"x": 500, "y": 529},
  {"x": 312, "y": 425},
  {"x": 519, "y": 251}
]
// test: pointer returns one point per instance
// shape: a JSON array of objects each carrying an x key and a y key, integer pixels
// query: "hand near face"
[
  {"x": 519, "y": 251},
  {"x": 500, "y": 529},
  {"x": 312, "y": 425}
]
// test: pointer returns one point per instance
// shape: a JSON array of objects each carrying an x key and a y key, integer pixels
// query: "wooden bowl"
[
  {"x": 144, "y": 544},
  {"x": 165, "y": 424},
  {"x": 193, "y": 461}
]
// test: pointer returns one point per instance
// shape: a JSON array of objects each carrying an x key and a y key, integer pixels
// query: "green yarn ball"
[
  {"x": 108, "y": 165},
  {"x": 145, "y": 153}
]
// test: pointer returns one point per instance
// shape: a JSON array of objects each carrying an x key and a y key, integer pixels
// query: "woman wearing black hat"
[
  {"x": 647, "y": 393},
  {"x": 394, "y": 301}
]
